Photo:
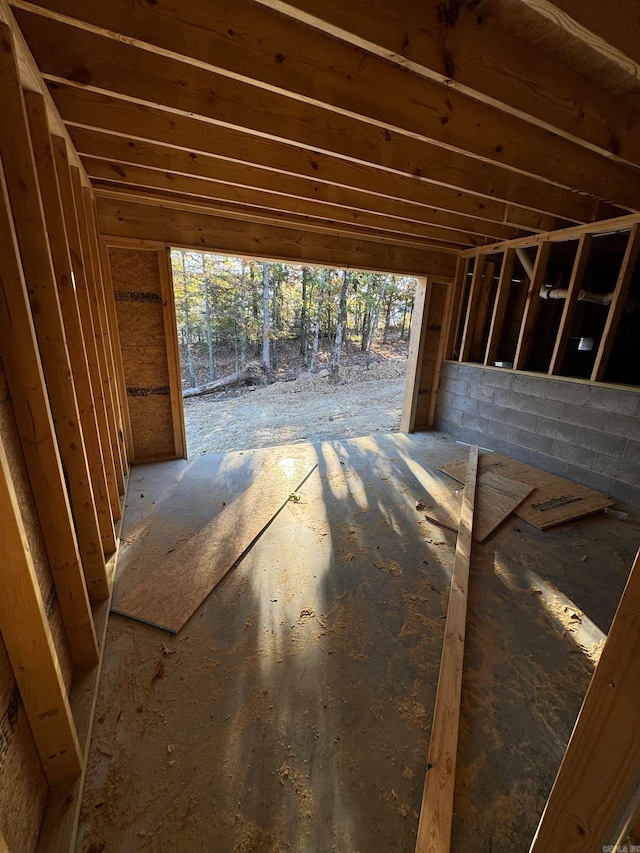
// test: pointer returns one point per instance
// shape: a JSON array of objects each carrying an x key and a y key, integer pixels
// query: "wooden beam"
[
  {"x": 111, "y": 325},
  {"x": 488, "y": 197},
  {"x": 596, "y": 785},
  {"x": 243, "y": 213},
  {"x": 472, "y": 308},
  {"x": 615, "y": 309},
  {"x": 417, "y": 338},
  {"x": 436, "y": 814},
  {"x": 509, "y": 73},
  {"x": 477, "y": 351},
  {"x": 26, "y": 205},
  {"x": 201, "y": 232},
  {"x": 222, "y": 196},
  {"x": 94, "y": 244},
  {"x": 440, "y": 354},
  {"x": 84, "y": 305},
  {"x": 531, "y": 307},
  {"x": 173, "y": 353},
  {"x": 500, "y": 307},
  {"x": 27, "y": 636},
  {"x": 91, "y": 282},
  {"x": 30, "y": 402},
  {"x": 342, "y": 118},
  {"x": 30, "y": 77},
  {"x": 40, "y": 139},
  {"x": 457, "y": 307},
  {"x": 234, "y": 181},
  {"x": 609, "y": 29},
  {"x": 117, "y": 350},
  {"x": 569, "y": 310}
]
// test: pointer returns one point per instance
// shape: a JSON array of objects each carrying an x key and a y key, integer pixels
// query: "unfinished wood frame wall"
[
  {"x": 472, "y": 316},
  {"x": 68, "y": 459},
  {"x": 139, "y": 276}
]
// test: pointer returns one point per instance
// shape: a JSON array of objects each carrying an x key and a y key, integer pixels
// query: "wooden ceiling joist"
[
  {"x": 454, "y": 126},
  {"x": 107, "y": 156},
  {"x": 194, "y": 229},
  {"x": 425, "y": 132}
]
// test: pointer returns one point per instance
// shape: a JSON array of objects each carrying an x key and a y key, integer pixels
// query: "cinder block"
[
  {"x": 557, "y": 429},
  {"x": 632, "y": 451},
  {"x": 466, "y": 404},
  {"x": 523, "y": 420},
  {"x": 624, "y": 492},
  {"x": 514, "y": 450},
  {"x": 532, "y": 386},
  {"x": 534, "y": 441},
  {"x": 509, "y": 399},
  {"x": 455, "y": 386},
  {"x": 625, "y": 425},
  {"x": 497, "y": 378},
  {"x": 481, "y": 392},
  {"x": 541, "y": 406},
  {"x": 548, "y": 463},
  {"x": 469, "y": 372},
  {"x": 583, "y": 416},
  {"x": 592, "y": 479},
  {"x": 601, "y": 442},
  {"x": 472, "y": 421},
  {"x": 614, "y": 400},
  {"x": 618, "y": 469},
  {"x": 579, "y": 456},
  {"x": 568, "y": 392},
  {"x": 502, "y": 430}
]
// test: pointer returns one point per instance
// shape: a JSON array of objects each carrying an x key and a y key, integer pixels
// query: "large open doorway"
[{"x": 275, "y": 353}]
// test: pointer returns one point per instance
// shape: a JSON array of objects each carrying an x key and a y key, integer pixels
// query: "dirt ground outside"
[{"x": 300, "y": 406}]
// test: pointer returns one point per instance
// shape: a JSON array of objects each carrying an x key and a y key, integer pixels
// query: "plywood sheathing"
[{"x": 337, "y": 612}]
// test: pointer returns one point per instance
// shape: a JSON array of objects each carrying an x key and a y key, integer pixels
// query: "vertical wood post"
[
  {"x": 36, "y": 112},
  {"x": 472, "y": 307},
  {"x": 615, "y": 309},
  {"x": 417, "y": 338},
  {"x": 30, "y": 402},
  {"x": 500, "y": 307},
  {"x": 532, "y": 306},
  {"x": 593, "y": 795},
  {"x": 27, "y": 636},
  {"x": 86, "y": 316},
  {"x": 569, "y": 310},
  {"x": 26, "y": 206}
]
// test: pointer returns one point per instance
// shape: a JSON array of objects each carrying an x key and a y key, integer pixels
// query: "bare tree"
[
  {"x": 316, "y": 334},
  {"x": 187, "y": 326},
  {"x": 342, "y": 318},
  {"x": 266, "y": 323},
  {"x": 207, "y": 316}
]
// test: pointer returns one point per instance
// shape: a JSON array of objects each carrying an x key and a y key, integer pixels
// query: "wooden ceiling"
[{"x": 434, "y": 124}]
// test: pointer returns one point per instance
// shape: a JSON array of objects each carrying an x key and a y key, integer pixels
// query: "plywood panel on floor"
[{"x": 554, "y": 500}]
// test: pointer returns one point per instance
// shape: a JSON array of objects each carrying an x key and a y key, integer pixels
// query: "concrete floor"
[{"x": 293, "y": 711}]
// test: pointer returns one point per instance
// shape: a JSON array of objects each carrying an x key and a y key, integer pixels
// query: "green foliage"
[{"x": 233, "y": 286}]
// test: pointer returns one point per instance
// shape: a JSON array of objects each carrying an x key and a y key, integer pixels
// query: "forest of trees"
[{"x": 235, "y": 311}]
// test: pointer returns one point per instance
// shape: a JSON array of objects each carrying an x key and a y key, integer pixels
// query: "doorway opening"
[{"x": 274, "y": 353}]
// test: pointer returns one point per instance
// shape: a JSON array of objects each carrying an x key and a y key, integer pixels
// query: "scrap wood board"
[
  {"x": 554, "y": 499},
  {"x": 170, "y": 594},
  {"x": 496, "y": 498}
]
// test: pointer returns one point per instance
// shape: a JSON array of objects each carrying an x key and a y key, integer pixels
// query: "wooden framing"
[
  {"x": 86, "y": 315},
  {"x": 595, "y": 791},
  {"x": 532, "y": 306},
  {"x": 500, "y": 307},
  {"x": 26, "y": 205},
  {"x": 472, "y": 308},
  {"x": 173, "y": 354},
  {"x": 436, "y": 814},
  {"x": 570, "y": 303},
  {"x": 27, "y": 636},
  {"x": 417, "y": 340},
  {"x": 35, "y": 424},
  {"x": 69, "y": 307},
  {"x": 615, "y": 309}
]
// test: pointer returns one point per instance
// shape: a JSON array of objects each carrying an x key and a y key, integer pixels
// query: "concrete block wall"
[{"x": 587, "y": 432}]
